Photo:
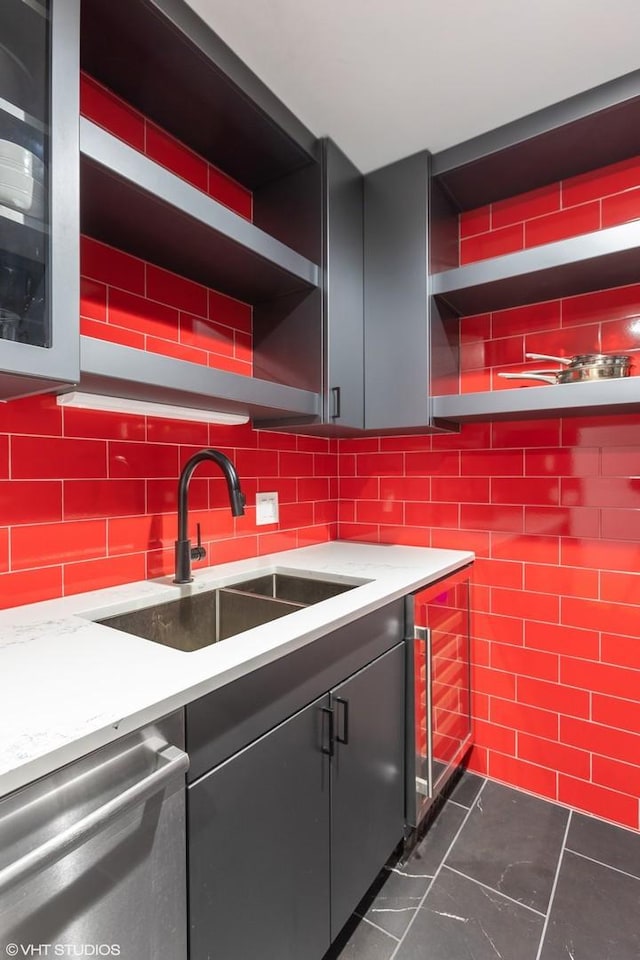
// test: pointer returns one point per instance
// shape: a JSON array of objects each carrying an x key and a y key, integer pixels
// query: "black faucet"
[{"x": 185, "y": 553}]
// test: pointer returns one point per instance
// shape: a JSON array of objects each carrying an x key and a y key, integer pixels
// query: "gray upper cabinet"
[
  {"x": 321, "y": 339},
  {"x": 39, "y": 242},
  {"x": 344, "y": 294}
]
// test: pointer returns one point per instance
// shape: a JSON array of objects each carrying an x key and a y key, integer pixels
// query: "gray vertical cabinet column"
[
  {"x": 343, "y": 309},
  {"x": 396, "y": 308}
]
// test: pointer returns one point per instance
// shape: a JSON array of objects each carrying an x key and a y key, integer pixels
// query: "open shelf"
[
  {"x": 584, "y": 132},
  {"x": 593, "y": 261},
  {"x": 132, "y": 203},
  {"x": 209, "y": 99},
  {"x": 115, "y": 370},
  {"x": 554, "y": 400}
]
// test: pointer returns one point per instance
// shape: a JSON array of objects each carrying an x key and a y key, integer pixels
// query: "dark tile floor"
[{"x": 501, "y": 874}]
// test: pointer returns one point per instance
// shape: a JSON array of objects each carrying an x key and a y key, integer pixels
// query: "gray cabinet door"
[
  {"x": 367, "y": 785},
  {"x": 396, "y": 335},
  {"x": 344, "y": 292},
  {"x": 259, "y": 847}
]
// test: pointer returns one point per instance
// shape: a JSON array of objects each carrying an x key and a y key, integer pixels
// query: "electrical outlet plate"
[{"x": 266, "y": 508}]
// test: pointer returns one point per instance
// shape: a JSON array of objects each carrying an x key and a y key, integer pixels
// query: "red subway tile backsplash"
[
  {"x": 555, "y": 604},
  {"x": 494, "y": 243},
  {"x": 526, "y": 206},
  {"x": 173, "y": 155},
  {"x": 563, "y": 224},
  {"x": 583, "y": 204},
  {"x": 103, "y": 107},
  {"x": 610, "y": 804}
]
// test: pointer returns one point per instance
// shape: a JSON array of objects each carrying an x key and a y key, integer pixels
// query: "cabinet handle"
[
  {"x": 428, "y": 650},
  {"x": 328, "y": 713},
  {"x": 171, "y": 763},
  {"x": 335, "y": 403},
  {"x": 345, "y": 720}
]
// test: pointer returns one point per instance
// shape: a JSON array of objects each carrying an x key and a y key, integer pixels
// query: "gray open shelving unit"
[
  {"x": 133, "y": 203},
  {"x": 215, "y": 105},
  {"x": 591, "y": 130}
]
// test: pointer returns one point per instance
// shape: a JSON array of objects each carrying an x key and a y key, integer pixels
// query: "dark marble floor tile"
[
  {"x": 430, "y": 852},
  {"x": 467, "y": 789},
  {"x": 594, "y": 915},
  {"x": 361, "y": 941},
  {"x": 605, "y": 842},
  {"x": 512, "y": 842},
  {"x": 461, "y": 920},
  {"x": 399, "y": 897}
]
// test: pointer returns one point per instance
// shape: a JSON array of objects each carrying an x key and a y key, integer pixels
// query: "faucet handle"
[{"x": 198, "y": 552}]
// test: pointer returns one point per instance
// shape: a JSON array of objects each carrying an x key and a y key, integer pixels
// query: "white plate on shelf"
[
  {"x": 20, "y": 158},
  {"x": 21, "y": 179}
]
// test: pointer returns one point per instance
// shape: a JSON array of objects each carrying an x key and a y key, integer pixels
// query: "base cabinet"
[
  {"x": 258, "y": 850},
  {"x": 286, "y": 836}
]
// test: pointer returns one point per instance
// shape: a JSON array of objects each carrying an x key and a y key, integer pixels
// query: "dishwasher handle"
[{"x": 173, "y": 762}]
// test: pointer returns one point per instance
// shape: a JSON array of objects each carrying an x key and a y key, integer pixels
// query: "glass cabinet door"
[
  {"x": 441, "y": 684},
  {"x": 39, "y": 195}
]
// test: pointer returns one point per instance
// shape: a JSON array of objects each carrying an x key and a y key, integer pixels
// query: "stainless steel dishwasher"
[{"x": 92, "y": 857}]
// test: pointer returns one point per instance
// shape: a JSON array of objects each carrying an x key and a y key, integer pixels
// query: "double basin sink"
[{"x": 198, "y": 620}]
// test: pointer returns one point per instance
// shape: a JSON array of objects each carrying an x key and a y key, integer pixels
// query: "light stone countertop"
[{"x": 69, "y": 685}]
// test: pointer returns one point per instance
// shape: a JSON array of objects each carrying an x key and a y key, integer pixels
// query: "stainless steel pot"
[
  {"x": 585, "y": 359},
  {"x": 582, "y": 367}
]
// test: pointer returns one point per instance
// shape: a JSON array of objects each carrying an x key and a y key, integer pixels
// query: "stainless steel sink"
[
  {"x": 285, "y": 586},
  {"x": 201, "y": 619}
]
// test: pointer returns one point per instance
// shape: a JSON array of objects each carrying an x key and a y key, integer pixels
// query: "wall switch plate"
[{"x": 266, "y": 508}]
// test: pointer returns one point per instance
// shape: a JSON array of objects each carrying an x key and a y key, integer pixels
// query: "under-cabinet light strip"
[{"x": 95, "y": 401}]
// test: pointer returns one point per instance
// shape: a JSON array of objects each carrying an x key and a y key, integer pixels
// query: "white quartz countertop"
[{"x": 69, "y": 685}]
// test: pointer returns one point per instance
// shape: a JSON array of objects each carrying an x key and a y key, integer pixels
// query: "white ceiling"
[{"x": 385, "y": 78}]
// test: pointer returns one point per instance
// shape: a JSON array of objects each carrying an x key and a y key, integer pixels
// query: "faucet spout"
[{"x": 184, "y": 553}]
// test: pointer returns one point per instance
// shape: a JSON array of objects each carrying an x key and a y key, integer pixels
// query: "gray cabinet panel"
[
  {"x": 344, "y": 303},
  {"x": 395, "y": 298},
  {"x": 39, "y": 245},
  {"x": 367, "y": 785},
  {"x": 259, "y": 848}
]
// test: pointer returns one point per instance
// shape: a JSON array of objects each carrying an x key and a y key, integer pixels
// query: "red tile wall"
[
  {"x": 103, "y": 107},
  {"x": 592, "y": 201},
  {"x": 128, "y": 301},
  {"x": 552, "y": 510},
  {"x": 88, "y": 499}
]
